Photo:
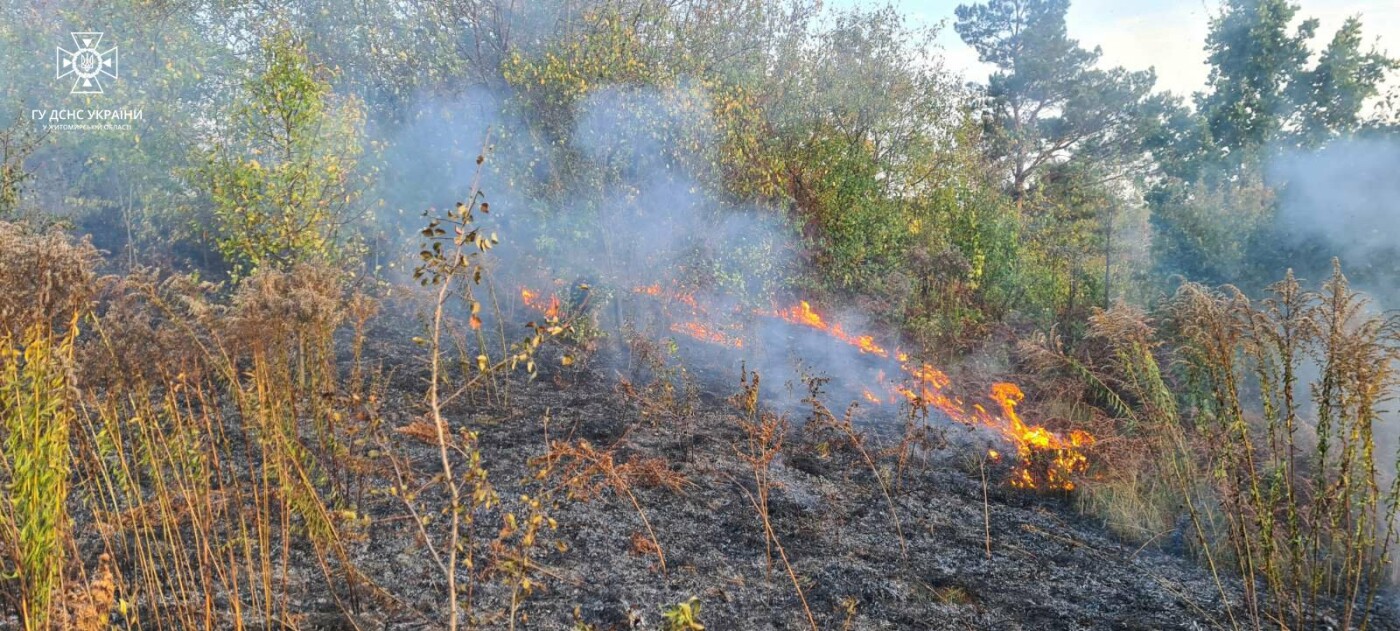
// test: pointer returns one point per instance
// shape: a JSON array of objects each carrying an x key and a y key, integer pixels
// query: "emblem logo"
[{"x": 87, "y": 64}]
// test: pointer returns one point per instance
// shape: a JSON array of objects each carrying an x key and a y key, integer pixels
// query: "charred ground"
[
  {"x": 268, "y": 458},
  {"x": 977, "y": 553}
]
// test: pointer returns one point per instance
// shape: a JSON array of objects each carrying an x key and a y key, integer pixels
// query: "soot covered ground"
[{"x": 1008, "y": 559}]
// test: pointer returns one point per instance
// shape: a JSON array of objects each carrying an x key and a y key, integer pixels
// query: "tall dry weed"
[
  {"x": 1258, "y": 436},
  {"x": 45, "y": 278}
]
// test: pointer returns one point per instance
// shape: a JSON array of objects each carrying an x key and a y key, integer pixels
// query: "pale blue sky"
[{"x": 1165, "y": 34}]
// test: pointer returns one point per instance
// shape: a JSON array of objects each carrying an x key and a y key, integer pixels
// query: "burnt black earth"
[{"x": 975, "y": 555}]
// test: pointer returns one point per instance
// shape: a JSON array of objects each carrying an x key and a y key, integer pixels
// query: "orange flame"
[
  {"x": 1058, "y": 456},
  {"x": 804, "y": 315},
  {"x": 684, "y": 298},
  {"x": 704, "y": 333},
  {"x": 532, "y": 300},
  {"x": 1044, "y": 459},
  {"x": 693, "y": 328}
]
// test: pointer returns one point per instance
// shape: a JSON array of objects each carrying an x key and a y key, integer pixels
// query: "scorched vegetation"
[{"x": 683, "y": 315}]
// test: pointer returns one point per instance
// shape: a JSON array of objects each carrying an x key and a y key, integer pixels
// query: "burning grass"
[
  {"x": 229, "y": 464},
  {"x": 266, "y": 469},
  {"x": 1044, "y": 459},
  {"x": 548, "y": 307}
]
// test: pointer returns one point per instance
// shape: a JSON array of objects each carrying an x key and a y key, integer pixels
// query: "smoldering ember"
[{"x": 688, "y": 315}]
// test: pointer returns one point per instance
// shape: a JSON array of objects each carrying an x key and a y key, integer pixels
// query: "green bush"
[{"x": 284, "y": 179}]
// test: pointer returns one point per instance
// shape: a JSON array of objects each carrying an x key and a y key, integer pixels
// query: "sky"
[{"x": 1168, "y": 35}]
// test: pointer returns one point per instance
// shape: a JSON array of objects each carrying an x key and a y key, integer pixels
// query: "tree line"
[{"x": 275, "y": 133}]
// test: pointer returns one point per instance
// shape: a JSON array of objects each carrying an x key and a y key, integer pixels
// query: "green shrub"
[{"x": 284, "y": 179}]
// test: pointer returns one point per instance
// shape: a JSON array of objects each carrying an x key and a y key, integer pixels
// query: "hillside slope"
[{"x": 976, "y": 556}]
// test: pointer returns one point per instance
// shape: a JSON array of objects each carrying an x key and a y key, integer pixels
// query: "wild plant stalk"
[
  {"x": 1307, "y": 517},
  {"x": 210, "y": 447},
  {"x": 584, "y": 469},
  {"x": 445, "y": 269},
  {"x": 36, "y": 409},
  {"x": 766, "y": 433},
  {"x": 986, "y": 505},
  {"x": 1357, "y": 375},
  {"x": 1290, "y": 498},
  {"x": 202, "y": 499},
  {"x": 454, "y": 263},
  {"x": 148, "y": 461},
  {"x": 289, "y": 465},
  {"x": 515, "y": 546},
  {"x": 822, "y": 416},
  {"x": 917, "y": 433}
]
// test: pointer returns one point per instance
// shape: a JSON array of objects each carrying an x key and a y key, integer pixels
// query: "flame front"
[
  {"x": 700, "y": 331},
  {"x": 1059, "y": 457},
  {"x": 697, "y": 327},
  {"x": 1044, "y": 459},
  {"x": 804, "y": 315},
  {"x": 532, "y": 300}
]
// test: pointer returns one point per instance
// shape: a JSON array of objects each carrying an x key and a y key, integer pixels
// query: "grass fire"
[
  {"x": 1047, "y": 460},
  {"x": 673, "y": 315}
]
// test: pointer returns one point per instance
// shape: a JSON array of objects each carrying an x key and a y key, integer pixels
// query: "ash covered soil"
[{"x": 974, "y": 555}]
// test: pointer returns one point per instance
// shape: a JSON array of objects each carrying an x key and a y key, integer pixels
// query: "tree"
[
  {"x": 284, "y": 178},
  {"x": 1261, "y": 91},
  {"x": 1214, "y": 204},
  {"x": 1255, "y": 63},
  {"x": 1066, "y": 133},
  {"x": 17, "y": 142},
  {"x": 1046, "y": 101},
  {"x": 1330, "y": 97},
  {"x": 866, "y": 133}
]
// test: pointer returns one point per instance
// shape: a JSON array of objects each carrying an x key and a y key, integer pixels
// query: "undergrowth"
[
  {"x": 183, "y": 454},
  {"x": 1248, "y": 430},
  {"x": 175, "y": 451}
]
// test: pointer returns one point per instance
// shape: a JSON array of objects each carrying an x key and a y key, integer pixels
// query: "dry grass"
[
  {"x": 211, "y": 438},
  {"x": 823, "y": 420},
  {"x": 209, "y": 442},
  {"x": 45, "y": 278},
  {"x": 765, "y": 434},
  {"x": 1274, "y": 475},
  {"x": 583, "y": 470}
]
